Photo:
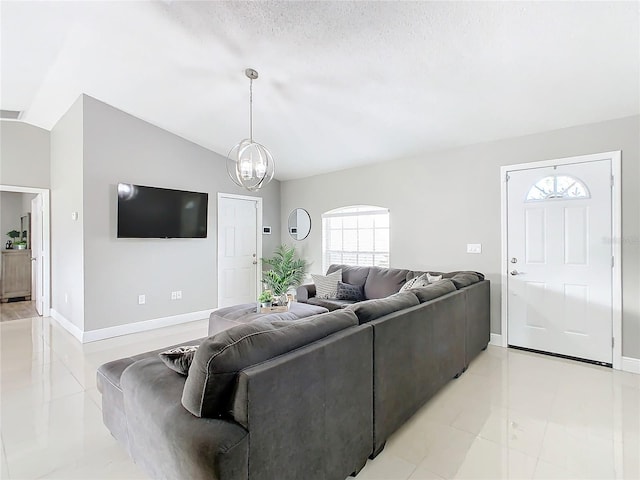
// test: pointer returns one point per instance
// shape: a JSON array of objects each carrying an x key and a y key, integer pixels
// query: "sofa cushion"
[
  {"x": 372, "y": 309},
  {"x": 346, "y": 291},
  {"x": 112, "y": 371},
  {"x": 351, "y": 274},
  {"x": 327, "y": 285},
  {"x": 179, "y": 358},
  {"x": 382, "y": 282},
  {"x": 209, "y": 388},
  {"x": 434, "y": 290},
  {"x": 330, "y": 304},
  {"x": 464, "y": 279}
]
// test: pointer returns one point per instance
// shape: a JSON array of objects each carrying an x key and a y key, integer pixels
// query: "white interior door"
[
  {"x": 239, "y": 249},
  {"x": 37, "y": 254},
  {"x": 559, "y": 250}
]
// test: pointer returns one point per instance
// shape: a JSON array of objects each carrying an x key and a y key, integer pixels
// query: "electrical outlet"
[
  {"x": 474, "y": 248},
  {"x": 142, "y": 299},
  {"x": 174, "y": 295},
  {"x": 179, "y": 294}
]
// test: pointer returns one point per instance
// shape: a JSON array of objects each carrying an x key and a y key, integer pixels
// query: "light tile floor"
[{"x": 511, "y": 415}]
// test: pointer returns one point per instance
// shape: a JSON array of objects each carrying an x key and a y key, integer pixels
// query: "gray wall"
[
  {"x": 24, "y": 155},
  {"x": 10, "y": 213},
  {"x": 67, "y": 237},
  {"x": 121, "y": 148},
  {"x": 441, "y": 201},
  {"x": 26, "y": 202}
]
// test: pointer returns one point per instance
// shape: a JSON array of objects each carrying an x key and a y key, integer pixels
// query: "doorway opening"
[{"x": 34, "y": 237}]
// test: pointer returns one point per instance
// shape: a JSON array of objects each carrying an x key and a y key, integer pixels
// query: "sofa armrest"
[
  {"x": 166, "y": 440},
  {"x": 305, "y": 292}
]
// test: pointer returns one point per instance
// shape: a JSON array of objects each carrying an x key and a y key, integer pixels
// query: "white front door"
[
  {"x": 559, "y": 251},
  {"x": 37, "y": 253},
  {"x": 239, "y": 251}
]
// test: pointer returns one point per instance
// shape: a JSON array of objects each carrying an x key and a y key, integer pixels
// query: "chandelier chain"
[{"x": 251, "y": 110}]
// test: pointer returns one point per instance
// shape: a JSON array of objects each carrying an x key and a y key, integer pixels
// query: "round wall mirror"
[{"x": 299, "y": 224}]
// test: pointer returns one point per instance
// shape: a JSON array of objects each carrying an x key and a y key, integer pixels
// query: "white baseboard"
[
  {"x": 630, "y": 364},
  {"x": 66, "y": 324},
  {"x": 110, "y": 332},
  {"x": 496, "y": 340}
]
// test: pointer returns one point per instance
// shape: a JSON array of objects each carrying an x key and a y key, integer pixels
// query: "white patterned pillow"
[
  {"x": 327, "y": 285},
  {"x": 433, "y": 278},
  {"x": 415, "y": 282}
]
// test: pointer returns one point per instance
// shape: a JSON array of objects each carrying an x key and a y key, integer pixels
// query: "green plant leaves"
[{"x": 286, "y": 272}]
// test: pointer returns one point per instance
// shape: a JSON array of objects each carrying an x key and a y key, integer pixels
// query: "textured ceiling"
[{"x": 341, "y": 83}]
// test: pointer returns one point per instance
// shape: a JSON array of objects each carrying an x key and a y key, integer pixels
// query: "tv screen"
[{"x": 150, "y": 212}]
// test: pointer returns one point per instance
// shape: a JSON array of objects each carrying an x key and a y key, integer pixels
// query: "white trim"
[
  {"x": 616, "y": 218},
  {"x": 616, "y": 211},
  {"x": 504, "y": 266},
  {"x": 46, "y": 240},
  {"x": 128, "y": 328},
  {"x": 630, "y": 364},
  {"x": 496, "y": 340},
  {"x": 336, "y": 213},
  {"x": 66, "y": 324},
  {"x": 110, "y": 332},
  {"x": 258, "y": 201}
]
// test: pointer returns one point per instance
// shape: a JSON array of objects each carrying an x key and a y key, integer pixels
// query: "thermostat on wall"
[{"x": 266, "y": 230}]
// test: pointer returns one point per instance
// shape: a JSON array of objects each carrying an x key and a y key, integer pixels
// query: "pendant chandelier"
[{"x": 249, "y": 164}]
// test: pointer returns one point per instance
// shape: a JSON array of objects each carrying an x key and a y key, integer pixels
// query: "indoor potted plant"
[
  {"x": 265, "y": 299},
  {"x": 13, "y": 234},
  {"x": 286, "y": 272}
]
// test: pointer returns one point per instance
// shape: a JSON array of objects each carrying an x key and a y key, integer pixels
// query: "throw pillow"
[
  {"x": 327, "y": 285},
  {"x": 179, "y": 359},
  {"x": 416, "y": 282},
  {"x": 346, "y": 291},
  {"x": 433, "y": 278}
]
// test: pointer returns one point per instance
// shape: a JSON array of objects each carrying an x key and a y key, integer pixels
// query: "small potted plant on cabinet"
[
  {"x": 265, "y": 299},
  {"x": 13, "y": 234}
]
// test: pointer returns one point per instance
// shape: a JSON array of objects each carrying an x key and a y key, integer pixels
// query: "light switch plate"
[{"x": 474, "y": 248}]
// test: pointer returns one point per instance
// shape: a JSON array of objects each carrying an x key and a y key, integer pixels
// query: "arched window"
[
  {"x": 356, "y": 235},
  {"x": 557, "y": 186}
]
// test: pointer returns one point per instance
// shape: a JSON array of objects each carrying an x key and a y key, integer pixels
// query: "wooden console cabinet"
[{"x": 16, "y": 274}]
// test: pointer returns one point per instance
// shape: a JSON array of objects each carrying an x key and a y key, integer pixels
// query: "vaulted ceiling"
[{"x": 341, "y": 83}]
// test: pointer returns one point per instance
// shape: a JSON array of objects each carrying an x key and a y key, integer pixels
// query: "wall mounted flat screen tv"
[{"x": 150, "y": 212}]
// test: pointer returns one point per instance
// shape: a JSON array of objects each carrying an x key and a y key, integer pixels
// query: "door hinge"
[
  {"x": 612, "y": 181},
  {"x": 507, "y": 177},
  {"x": 613, "y": 342},
  {"x": 613, "y": 261}
]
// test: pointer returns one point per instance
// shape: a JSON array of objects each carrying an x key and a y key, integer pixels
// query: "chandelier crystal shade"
[{"x": 249, "y": 164}]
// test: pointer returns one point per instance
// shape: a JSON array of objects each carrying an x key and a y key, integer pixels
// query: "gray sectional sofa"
[{"x": 311, "y": 398}]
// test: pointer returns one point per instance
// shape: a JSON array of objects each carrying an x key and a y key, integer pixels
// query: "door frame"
[
  {"x": 616, "y": 217},
  {"x": 46, "y": 240},
  {"x": 258, "y": 201}
]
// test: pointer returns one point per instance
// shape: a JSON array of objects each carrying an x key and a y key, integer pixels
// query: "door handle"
[
  {"x": 514, "y": 272},
  {"x": 255, "y": 262}
]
